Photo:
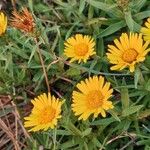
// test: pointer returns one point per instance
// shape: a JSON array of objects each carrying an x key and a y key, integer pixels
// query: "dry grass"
[{"x": 12, "y": 131}]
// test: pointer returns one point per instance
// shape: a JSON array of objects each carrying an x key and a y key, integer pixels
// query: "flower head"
[
  {"x": 3, "y": 23},
  {"x": 92, "y": 98},
  {"x": 45, "y": 113},
  {"x": 23, "y": 20},
  {"x": 127, "y": 52},
  {"x": 79, "y": 48},
  {"x": 146, "y": 30}
]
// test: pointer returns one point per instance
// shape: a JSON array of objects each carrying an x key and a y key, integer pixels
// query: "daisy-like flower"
[
  {"x": 3, "y": 23},
  {"x": 127, "y": 52},
  {"x": 79, "y": 47},
  {"x": 45, "y": 113},
  {"x": 146, "y": 30},
  {"x": 92, "y": 98},
  {"x": 23, "y": 20}
]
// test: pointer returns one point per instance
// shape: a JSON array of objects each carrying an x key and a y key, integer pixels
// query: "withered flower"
[{"x": 23, "y": 20}]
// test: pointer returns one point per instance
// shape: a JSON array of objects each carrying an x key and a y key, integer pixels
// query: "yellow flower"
[
  {"x": 92, "y": 98},
  {"x": 127, "y": 52},
  {"x": 3, "y": 23},
  {"x": 45, "y": 113},
  {"x": 146, "y": 30},
  {"x": 79, "y": 48}
]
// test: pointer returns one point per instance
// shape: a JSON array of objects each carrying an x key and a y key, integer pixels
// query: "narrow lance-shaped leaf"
[
  {"x": 129, "y": 20},
  {"x": 142, "y": 15},
  {"x": 147, "y": 85},
  {"x": 101, "y": 5},
  {"x": 86, "y": 132},
  {"x": 81, "y": 6},
  {"x": 100, "y": 49},
  {"x": 124, "y": 96},
  {"x": 138, "y": 77},
  {"x": 138, "y": 4},
  {"x": 112, "y": 29},
  {"x": 130, "y": 110},
  {"x": 114, "y": 114}
]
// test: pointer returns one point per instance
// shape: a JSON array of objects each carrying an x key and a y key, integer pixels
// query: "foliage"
[{"x": 127, "y": 125}]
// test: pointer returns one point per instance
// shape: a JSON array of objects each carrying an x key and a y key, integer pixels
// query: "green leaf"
[
  {"x": 30, "y": 2},
  {"x": 106, "y": 121},
  {"x": 144, "y": 142},
  {"x": 68, "y": 144},
  {"x": 129, "y": 20},
  {"x": 73, "y": 72},
  {"x": 130, "y": 110},
  {"x": 147, "y": 86},
  {"x": 86, "y": 132},
  {"x": 147, "y": 62},
  {"x": 93, "y": 63},
  {"x": 81, "y": 6},
  {"x": 37, "y": 76},
  {"x": 61, "y": 46},
  {"x": 74, "y": 129},
  {"x": 18, "y": 51},
  {"x": 137, "y": 27},
  {"x": 63, "y": 132},
  {"x": 55, "y": 41},
  {"x": 124, "y": 95},
  {"x": 90, "y": 12},
  {"x": 100, "y": 49},
  {"x": 96, "y": 142},
  {"x": 138, "y": 77},
  {"x": 126, "y": 124},
  {"x": 138, "y": 4},
  {"x": 69, "y": 32},
  {"x": 32, "y": 53},
  {"x": 114, "y": 114},
  {"x": 40, "y": 8},
  {"x": 2, "y": 57},
  {"x": 112, "y": 29},
  {"x": 100, "y": 5},
  {"x": 95, "y": 21},
  {"x": 142, "y": 15},
  {"x": 115, "y": 13},
  {"x": 59, "y": 2}
]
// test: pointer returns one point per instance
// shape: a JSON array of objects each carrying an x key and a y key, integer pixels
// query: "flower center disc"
[
  {"x": 129, "y": 55},
  {"x": 47, "y": 115},
  {"x": 81, "y": 49},
  {"x": 94, "y": 99}
]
